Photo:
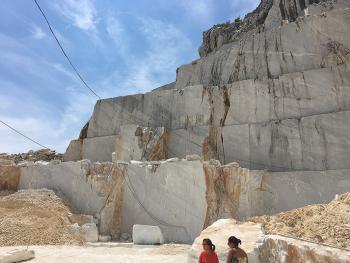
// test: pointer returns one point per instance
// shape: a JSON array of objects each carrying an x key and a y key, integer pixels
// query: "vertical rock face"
[
  {"x": 224, "y": 184},
  {"x": 270, "y": 92},
  {"x": 142, "y": 143},
  {"x": 180, "y": 196}
]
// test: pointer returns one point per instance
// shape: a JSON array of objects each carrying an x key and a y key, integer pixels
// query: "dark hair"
[
  {"x": 209, "y": 243},
  {"x": 235, "y": 241}
]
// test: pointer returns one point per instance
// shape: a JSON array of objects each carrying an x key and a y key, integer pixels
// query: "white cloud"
[
  {"x": 54, "y": 131},
  {"x": 118, "y": 34},
  {"x": 13, "y": 142},
  {"x": 200, "y": 10},
  {"x": 115, "y": 29},
  {"x": 81, "y": 12},
  {"x": 37, "y": 32},
  {"x": 166, "y": 44},
  {"x": 52, "y": 121}
]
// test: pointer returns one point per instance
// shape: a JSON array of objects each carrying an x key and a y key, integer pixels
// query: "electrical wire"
[
  {"x": 64, "y": 52},
  {"x": 25, "y": 136}
]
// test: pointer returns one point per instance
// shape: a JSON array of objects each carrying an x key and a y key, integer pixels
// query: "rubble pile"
[
  {"x": 33, "y": 156},
  {"x": 323, "y": 223},
  {"x": 35, "y": 217}
]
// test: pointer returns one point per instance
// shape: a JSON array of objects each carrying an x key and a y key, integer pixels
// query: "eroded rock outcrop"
[{"x": 268, "y": 15}]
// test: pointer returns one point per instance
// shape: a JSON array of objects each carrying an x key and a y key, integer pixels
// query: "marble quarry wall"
[
  {"x": 298, "y": 121},
  {"x": 182, "y": 197},
  {"x": 271, "y": 92}
]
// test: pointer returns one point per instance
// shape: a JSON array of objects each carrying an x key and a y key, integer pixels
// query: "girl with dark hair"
[
  {"x": 208, "y": 255},
  {"x": 236, "y": 254}
]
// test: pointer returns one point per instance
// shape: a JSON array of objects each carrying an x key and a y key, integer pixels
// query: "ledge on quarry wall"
[
  {"x": 295, "y": 122},
  {"x": 180, "y": 196},
  {"x": 132, "y": 143}
]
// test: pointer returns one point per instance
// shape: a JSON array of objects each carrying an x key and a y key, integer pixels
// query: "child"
[
  {"x": 208, "y": 255},
  {"x": 236, "y": 254}
]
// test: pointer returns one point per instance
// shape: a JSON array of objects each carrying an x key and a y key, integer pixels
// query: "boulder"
[
  {"x": 280, "y": 249},
  {"x": 17, "y": 256},
  {"x": 74, "y": 229},
  {"x": 81, "y": 219},
  {"x": 89, "y": 232},
  {"x": 104, "y": 238},
  {"x": 250, "y": 233},
  {"x": 147, "y": 235}
]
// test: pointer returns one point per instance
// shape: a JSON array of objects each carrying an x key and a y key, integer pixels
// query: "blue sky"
[{"x": 119, "y": 47}]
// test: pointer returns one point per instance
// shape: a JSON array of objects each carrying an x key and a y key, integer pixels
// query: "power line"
[
  {"x": 25, "y": 136},
  {"x": 64, "y": 53}
]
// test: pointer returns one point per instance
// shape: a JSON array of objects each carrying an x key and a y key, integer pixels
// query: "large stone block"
[
  {"x": 86, "y": 185},
  {"x": 147, "y": 235},
  {"x": 74, "y": 151},
  {"x": 319, "y": 142},
  {"x": 283, "y": 249},
  {"x": 172, "y": 109},
  {"x": 189, "y": 141},
  {"x": 325, "y": 141},
  {"x": 17, "y": 255},
  {"x": 293, "y": 95},
  {"x": 92, "y": 188},
  {"x": 289, "y": 190},
  {"x": 99, "y": 149},
  {"x": 172, "y": 195},
  {"x": 89, "y": 232}
]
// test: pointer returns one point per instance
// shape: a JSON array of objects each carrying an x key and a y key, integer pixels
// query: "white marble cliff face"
[
  {"x": 182, "y": 197},
  {"x": 275, "y": 97}
]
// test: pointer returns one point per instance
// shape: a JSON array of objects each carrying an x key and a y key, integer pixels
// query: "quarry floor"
[{"x": 107, "y": 252}]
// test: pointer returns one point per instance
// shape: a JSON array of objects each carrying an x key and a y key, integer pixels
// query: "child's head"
[
  {"x": 233, "y": 242},
  {"x": 208, "y": 245}
]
